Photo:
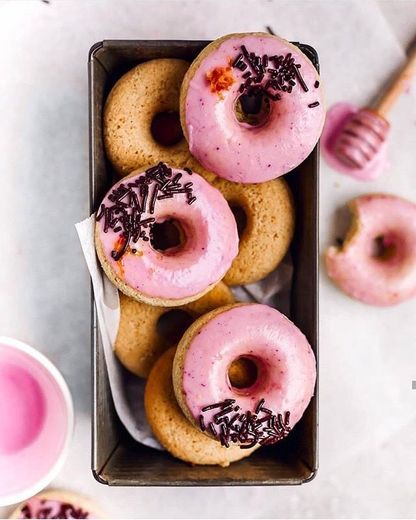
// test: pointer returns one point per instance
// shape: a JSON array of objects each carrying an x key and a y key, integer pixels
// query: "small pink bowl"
[{"x": 36, "y": 421}]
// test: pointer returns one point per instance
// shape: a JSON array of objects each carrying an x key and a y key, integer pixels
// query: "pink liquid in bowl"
[
  {"x": 35, "y": 421},
  {"x": 22, "y": 408}
]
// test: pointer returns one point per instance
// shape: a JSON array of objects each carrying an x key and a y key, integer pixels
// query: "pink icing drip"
[
  {"x": 355, "y": 268},
  {"x": 285, "y": 360},
  {"x": 259, "y": 154},
  {"x": 337, "y": 117},
  {"x": 210, "y": 247}
]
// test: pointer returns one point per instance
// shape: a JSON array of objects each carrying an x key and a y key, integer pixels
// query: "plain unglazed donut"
[
  {"x": 173, "y": 430},
  {"x": 148, "y": 89},
  {"x": 126, "y": 224},
  {"x": 236, "y": 150},
  {"x": 139, "y": 342},
  {"x": 376, "y": 263},
  {"x": 267, "y": 230}
]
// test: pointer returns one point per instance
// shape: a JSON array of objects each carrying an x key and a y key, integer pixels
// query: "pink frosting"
[
  {"x": 37, "y": 507},
  {"x": 338, "y": 116},
  {"x": 211, "y": 244},
  {"x": 285, "y": 362},
  {"x": 356, "y": 269},
  {"x": 252, "y": 154}
]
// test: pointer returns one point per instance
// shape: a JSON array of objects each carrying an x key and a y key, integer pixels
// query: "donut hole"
[
  {"x": 240, "y": 217},
  {"x": 252, "y": 109},
  {"x": 167, "y": 236},
  {"x": 243, "y": 373},
  {"x": 172, "y": 324},
  {"x": 166, "y": 128},
  {"x": 384, "y": 248}
]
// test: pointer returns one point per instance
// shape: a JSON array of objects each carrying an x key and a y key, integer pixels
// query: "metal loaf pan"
[{"x": 118, "y": 460}]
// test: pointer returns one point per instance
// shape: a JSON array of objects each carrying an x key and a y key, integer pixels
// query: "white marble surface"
[{"x": 43, "y": 280}]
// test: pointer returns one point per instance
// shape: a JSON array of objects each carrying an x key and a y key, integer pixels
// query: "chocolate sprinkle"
[
  {"x": 246, "y": 429},
  {"x": 259, "y": 406},
  {"x": 227, "y": 402},
  {"x": 314, "y": 104},
  {"x": 300, "y": 78},
  {"x": 213, "y": 430},
  {"x": 131, "y": 202},
  {"x": 202, "y": 423},
  {"x": 278, "y": 72}
]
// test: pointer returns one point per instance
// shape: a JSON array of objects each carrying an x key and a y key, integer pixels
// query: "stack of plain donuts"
[{"x": 200, "y": 206}]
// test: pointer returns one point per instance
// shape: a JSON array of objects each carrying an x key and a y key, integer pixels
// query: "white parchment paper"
[{"x": 127, "y": 389}]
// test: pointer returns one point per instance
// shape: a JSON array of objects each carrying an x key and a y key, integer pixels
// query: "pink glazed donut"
[
  {"x": 223, "y": 136},
  {"x": 281, "y": 391},
  {"x": 376, "y": 264},
  {"x": 165, "y": 236}
]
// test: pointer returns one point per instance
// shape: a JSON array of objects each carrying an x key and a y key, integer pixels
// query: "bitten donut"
[
  {"x": 143, "y": 105},
  {"x": 165, "y": 236},
  {"x": 171, "y": 428},
  {"x": 251, "y": 107},
  {"x": 263, "y": 412},
  {"x": 58, "y": 503},
  {"x": 141, "y": 338},
  {"x": 376, "y": 263}
]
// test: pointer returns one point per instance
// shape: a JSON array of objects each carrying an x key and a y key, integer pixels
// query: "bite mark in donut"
[{"x": 376, "y": 263}]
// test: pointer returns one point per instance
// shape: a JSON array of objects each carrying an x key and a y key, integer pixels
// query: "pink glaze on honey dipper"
[
  {"x": 363, "y": 136},
  {"x": 244, "y": 65},
  {"x": 361, "y": 139}
]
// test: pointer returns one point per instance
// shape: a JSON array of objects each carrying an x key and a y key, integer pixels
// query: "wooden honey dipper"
[{"x": 364, "y": 133}]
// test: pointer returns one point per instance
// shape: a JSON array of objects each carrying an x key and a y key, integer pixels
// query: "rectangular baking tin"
[{"x": 118, "y": 460}]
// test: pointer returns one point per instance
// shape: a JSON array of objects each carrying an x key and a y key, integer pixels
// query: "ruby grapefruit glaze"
[
  {"x": 285, "y": 362},
  {"x": 210, "y": 243},
  {"x": 236, "y": 151}
]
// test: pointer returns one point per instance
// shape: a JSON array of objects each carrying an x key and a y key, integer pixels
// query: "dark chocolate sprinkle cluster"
[
  {"x": 269, "y": 75},
  {"x": 130, "y": 201},
  {"x": 65, "y": 511},
  {"x": 231, "y": 425}
]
